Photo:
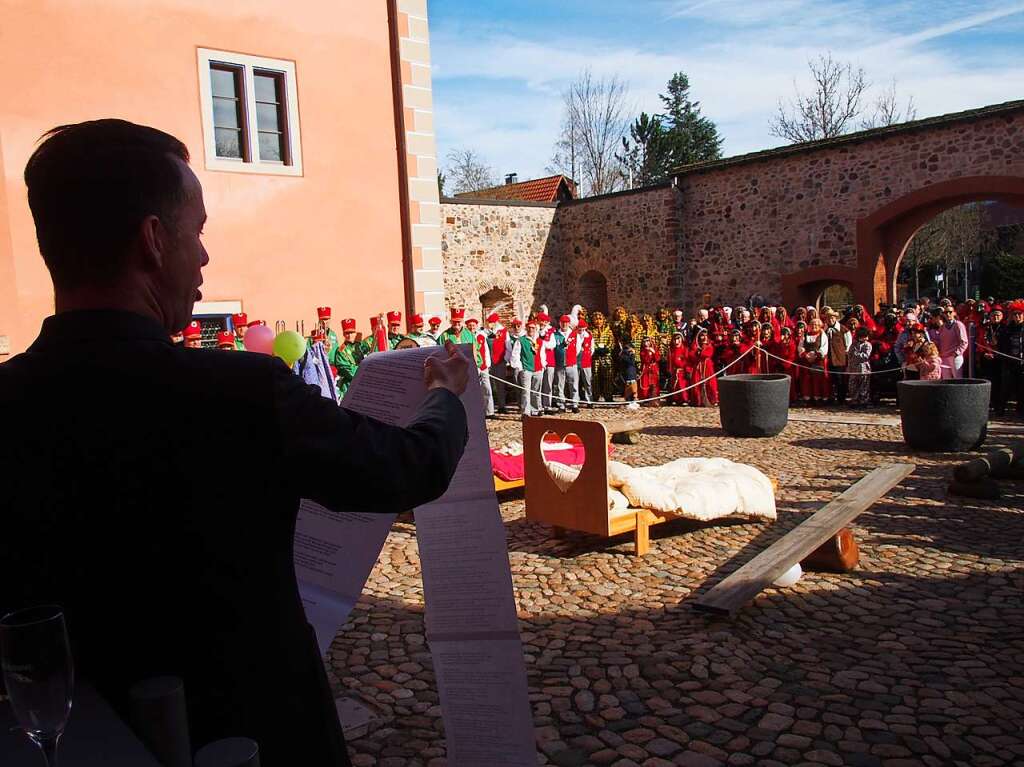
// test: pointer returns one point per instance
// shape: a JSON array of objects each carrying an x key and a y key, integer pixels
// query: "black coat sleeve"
[{"x": 351, "y": 462}]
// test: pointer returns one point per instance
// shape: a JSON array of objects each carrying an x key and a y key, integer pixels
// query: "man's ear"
[{"x": 154, "y": 240}]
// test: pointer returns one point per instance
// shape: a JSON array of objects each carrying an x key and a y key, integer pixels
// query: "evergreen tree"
[
  {"x": 646, "y": 154},
  {"x": 690, "y": 136}
]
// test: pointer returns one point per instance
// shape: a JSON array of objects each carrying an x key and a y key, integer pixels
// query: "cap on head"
[
  {"x": 565, "y": 318},
  {"x": 348, "y": 325},
  {"x": 458, "y": 314},
  {"x": 394, "y": 318},
  {"x": 323, "y": 312},
  {"x": 239, "y": 320},
  {"x": 435, "y": 321},
  {"x": 582, "y": 324},
  {"x": 225, "y": 338},
  {"x": 193, "y": 330},
  {"x": 417, "y": 320},
  {"x": 493, "y": 317}
]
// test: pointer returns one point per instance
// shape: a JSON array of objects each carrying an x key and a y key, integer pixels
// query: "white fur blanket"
[{"x": 692, "y": 488}]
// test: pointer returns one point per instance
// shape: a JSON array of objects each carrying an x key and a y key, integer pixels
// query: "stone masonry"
[{"x": 724, "y": 230}]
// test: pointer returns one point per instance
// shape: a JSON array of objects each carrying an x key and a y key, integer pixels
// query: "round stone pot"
[
  {"x": 754, "y": 405},
  {"x": 948, "y": 416}
]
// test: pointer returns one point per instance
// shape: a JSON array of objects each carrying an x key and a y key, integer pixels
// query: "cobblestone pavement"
[{"x": 916, "y": 658}]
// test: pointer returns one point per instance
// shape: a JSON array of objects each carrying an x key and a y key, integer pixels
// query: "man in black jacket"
[
  {"x": 163, "y": 569},
  {"x": 1010, "y": 343}
]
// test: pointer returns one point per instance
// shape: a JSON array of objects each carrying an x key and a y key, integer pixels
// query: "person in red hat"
[
  {"x": 456, "y": 333},
  {"x": 547, "y": 334},
  {"x": 527, "y": 360},
  {"x": 193, "y": 334},
  {"x": 323, "y": 316},
  {"x": 417, "y": 333},
  {"x": 585, "y": 363},
  {"x": 347, "y": 356},
  {"x": 482, "y": 358},
  {"x": 567, "y": 348},
  {"x": 435, "y": 328},
  {"x": 501, "y": 345},
  {"x": 395, "y": 335},
  {"x": 226, "y": 340},
  {"x": 240, "y": 323}
]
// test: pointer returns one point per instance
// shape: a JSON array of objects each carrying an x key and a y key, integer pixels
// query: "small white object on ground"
[{"x": 790, "y": 577}]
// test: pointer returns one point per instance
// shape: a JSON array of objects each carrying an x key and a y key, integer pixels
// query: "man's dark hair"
[{"x": 90, "y": 185}]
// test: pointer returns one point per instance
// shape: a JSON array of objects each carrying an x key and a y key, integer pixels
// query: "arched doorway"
[
  {"x": 497, "y": 300},
  {"x": 593, "y": 291},
  {"x": 838, "y": 295}
]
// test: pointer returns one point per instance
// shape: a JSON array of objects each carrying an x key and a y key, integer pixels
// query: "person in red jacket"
[
  {"x": 730, "y": 352},
  {"x": 701, "y": 372},
  {"x": 784, "y": 351},
  {"x": 586, "y": 363},
  {"x": 678, "y": 355},
  {"x": 813, "y": 355},
  {"x": 648, "y": 381}
]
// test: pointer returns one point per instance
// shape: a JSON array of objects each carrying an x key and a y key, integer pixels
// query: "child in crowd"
[
  {"x": 927, "y": 362},
  {"x": 650, "y": 356},
  {"x": 858, "y": 363},
  {"x": 628, "y": 364}
]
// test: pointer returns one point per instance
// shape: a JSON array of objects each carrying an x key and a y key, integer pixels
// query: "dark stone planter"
[
  {"x": 947, "y": 416},
  {"x": 754, "y": 405}
]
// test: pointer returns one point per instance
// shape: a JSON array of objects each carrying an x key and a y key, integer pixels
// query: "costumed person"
[
  {"x": 619, "y": 324},
  {"x": 226, "y": 340},
  {"x": 500, "y": 344},
  {"x": 782, "y": 317},
  {"x": 700, "y": 371},
  {"x": 763, "y": 347},
  {"x": 838, "y": 343},
  {"x": 604, "y": 362},
  {"x": 650, "y": 372},
  {"x": 482, "y": 358},
  {"x": 813, "y": 355},
  {"x": 240, "y": 324},
  {"x": 567, "y": 354},
  {"x": 417, "y": 333},
  {"x": 323, "y": 316},
  {"x": 193, "y": 335},
  {"x": 435, "y": 328},
  {"x": 547, "y": 334},
  {"x": 731, "y": 351},
  {"x": 678, "y": 369},
  {"x": 377, "y": 341},
  {"x": 585, "y": 363},
  {"x": 315, "y": 368},
  {"x": 783, "y": 361},
  {"x": 527, "y": 361},
  {"x": 347, "y": 356},
  {"x": 630, "y": 374},
  {"x": 456, "y": 332},
  {"x": 395, "y": 336},
  {"x": 858, "y": 365},
  {"x": 1011, "y": 346}
]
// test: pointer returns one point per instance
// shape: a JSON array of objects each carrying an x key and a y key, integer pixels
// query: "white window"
[{"x": 250, "y": 113}]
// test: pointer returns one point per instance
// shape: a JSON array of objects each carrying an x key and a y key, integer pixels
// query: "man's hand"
[{"x": 447, "y": 372}]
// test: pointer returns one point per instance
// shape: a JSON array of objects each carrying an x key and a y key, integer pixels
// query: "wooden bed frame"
[{"x": 584, "y": 505}]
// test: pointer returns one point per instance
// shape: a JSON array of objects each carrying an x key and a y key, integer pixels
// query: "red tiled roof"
[{"x": 534, "y": 190}]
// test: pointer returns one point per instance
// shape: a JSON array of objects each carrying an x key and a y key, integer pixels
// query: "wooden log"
[
  {"x": 996, "y": 460},
  {"x": 743, "y": 585},
  {"x": 983, "y": 488}
]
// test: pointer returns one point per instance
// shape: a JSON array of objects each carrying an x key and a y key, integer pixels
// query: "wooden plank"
[
  {"x": 743, "y": 585},
  {"x": 845, "y": 418}
]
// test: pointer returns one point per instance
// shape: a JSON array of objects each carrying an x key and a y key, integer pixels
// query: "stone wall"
[{"x": 511, "y": 248}]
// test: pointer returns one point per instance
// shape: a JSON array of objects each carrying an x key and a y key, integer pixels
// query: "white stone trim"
[
  {"x": 217, "y": 307},
  {"x": 205, "y": 57}
]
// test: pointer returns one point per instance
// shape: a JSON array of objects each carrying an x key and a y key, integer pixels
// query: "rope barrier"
[
  {"x": 1004, "y": 354},
  {"x": 831, "y": 371},
  {"x": 639, "y": 401}
]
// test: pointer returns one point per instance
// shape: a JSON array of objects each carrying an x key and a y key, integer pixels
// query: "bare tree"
[
  {"x": 468, "y": 172},
  {"x": 888, "y": 111},
  {"x": 950, "y": 241},
  {"x": 593, "y": 124},
  {"x": 830, "y": 110}
]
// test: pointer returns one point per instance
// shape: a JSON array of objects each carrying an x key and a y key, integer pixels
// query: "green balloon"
[{"x": 290, "y": 347}]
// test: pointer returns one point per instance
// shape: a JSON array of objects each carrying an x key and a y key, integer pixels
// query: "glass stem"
[{"x": 49, "y": 748}]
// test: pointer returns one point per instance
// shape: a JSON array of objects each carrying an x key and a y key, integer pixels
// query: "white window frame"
[{"x": 248, "y": 63}]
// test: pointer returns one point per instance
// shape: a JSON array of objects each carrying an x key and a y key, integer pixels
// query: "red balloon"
[{"x": 259, "y": 339}]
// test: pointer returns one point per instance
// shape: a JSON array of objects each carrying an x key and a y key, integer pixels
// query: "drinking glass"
[{"x": 36, "y": 661}]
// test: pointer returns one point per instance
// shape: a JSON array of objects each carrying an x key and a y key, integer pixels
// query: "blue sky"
[{"x": 499, "y": 66}]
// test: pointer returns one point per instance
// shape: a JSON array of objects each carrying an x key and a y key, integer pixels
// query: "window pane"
[
  {"x": 223, "y": 83},
  {"x": 228, "y": 142},
  {"x": 270, "y": 147},
  {"x": 267, "y": 87},
  {"x": 225, "y": 113},
  {"x": 267, "y": 117}
]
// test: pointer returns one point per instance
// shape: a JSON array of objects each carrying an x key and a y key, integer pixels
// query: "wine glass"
[{"x": 37, "y": 670}]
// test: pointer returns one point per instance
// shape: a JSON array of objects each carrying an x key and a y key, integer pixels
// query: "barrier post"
[{"x": 971, "y": 337}]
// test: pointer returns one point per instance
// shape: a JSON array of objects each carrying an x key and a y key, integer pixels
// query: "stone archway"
[
  {"x": 592, "y": 289},
  {"x": 883, "y": 237}
]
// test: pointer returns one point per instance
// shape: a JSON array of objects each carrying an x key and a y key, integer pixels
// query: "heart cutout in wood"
[{"x": 563, "y": 458}]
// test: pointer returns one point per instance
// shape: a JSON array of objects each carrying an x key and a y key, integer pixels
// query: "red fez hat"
[
  {"x": 417, "y": 319},
  {"x": 542, "y": 317},
  {"x": 240, "y": 319},
  {"x": 473, "y": 319},
  {"x": 517, "y": 323},
  {"x": 374, "y": 322},
  {"x": 323, "y": 312},
  {"x": 193, "y": 330},
  {"x": 318, "y": 334},
  {"x": 582, "y": 324},
  {"x": 565, "y": 318},
  {"x": 435, "y": 320},
  {"x": 458, "y": 314},
  {"x": 348, "y": 325},
  {"x": 531, "y": 321},
  {"x": 493, "y": 317},
  {"x": 225, "y": 338},
  {"x": 254, "y": 323},
  {"x": 394, "y": 318},
  {"x": 1017, "y": 306}
]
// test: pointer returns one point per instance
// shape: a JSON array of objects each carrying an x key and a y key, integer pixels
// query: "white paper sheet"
[{"x": 470, "y": 617}]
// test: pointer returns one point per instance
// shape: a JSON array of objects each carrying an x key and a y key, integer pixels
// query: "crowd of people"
[{"x": 584, "y": 358}]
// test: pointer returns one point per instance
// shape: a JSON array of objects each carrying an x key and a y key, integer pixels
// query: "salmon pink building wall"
[{"x": 280, "y": 245}]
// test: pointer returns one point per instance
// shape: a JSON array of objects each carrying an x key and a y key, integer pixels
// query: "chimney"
[{"x": 512, "y": 178}]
